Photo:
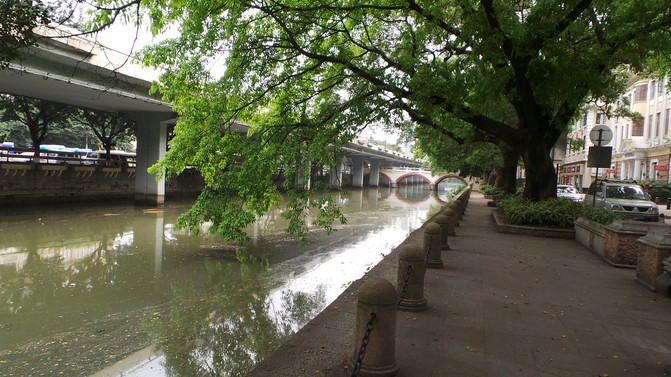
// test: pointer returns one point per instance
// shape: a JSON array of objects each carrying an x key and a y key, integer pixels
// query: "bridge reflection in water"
[{"x": 76, "y": 282}]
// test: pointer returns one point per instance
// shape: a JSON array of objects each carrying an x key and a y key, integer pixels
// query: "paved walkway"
[{"x": 504, "y": 305}]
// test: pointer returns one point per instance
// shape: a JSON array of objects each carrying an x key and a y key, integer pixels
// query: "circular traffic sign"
[{"x": 601, "y": 135}]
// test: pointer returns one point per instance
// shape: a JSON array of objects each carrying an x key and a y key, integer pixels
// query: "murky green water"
[{"x": 112, "y": 290}]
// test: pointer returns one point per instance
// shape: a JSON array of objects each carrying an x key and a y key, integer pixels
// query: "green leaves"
[
  {"x": 18, "y": 18},
  {"x": 556, "y": 212},
  {"x": 308, "y": 75}
]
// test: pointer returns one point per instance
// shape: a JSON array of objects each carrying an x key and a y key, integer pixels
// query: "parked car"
[
  {"x": 570, "y": 192},
  {"x": 624, "y": 197}
]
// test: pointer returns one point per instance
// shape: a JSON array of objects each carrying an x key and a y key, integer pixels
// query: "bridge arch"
[
  {"x": 391, "y": 181},
  {"x": 411, "y": 174},
  {"x": 448, "y": 176}
]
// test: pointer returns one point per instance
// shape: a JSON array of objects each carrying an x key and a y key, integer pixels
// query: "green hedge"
[
  {"x": 556, "y": 212},
  {"x": 486, "y": 189},
  {"x": 658, "y": 190}
]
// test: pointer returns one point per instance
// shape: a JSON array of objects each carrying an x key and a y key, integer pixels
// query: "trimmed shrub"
[
  {"x": 556, "y": 212},
  {"x": 601, "y": 215},
  {"x": 659, "y": 189},
  {"x": 486, "y": 189}
]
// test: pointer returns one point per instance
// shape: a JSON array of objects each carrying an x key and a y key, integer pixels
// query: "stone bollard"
[
  {"x": 376, "y": 297},
  {"x": 410, "y": 280},
  {"x": 432, "y": 234},
  {"x": 454, "y": 214},
  {"x": 444, "y": 222},
  {"x": 460, "y": 208}
]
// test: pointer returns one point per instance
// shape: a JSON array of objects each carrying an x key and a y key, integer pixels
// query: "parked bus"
[
  {"x": 60, "y": 154},
  {"x": 117, "y": 158}
]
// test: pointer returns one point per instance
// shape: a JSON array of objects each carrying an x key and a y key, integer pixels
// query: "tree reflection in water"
[
  {"x": 45, "y": 280},
  {"x": 227, "y": 327}
]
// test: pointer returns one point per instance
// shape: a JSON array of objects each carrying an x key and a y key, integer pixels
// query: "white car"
[{"x": 570, "y": 192}]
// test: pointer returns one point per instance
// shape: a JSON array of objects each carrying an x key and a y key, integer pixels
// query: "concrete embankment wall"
[{"x": 30, "y": 183}]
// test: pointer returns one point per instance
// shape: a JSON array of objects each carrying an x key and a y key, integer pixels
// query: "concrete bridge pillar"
[
  {"x": 374, "y": 177},
  {"x": 357, "y": 171},
  {"x": 152, "y": 134}
]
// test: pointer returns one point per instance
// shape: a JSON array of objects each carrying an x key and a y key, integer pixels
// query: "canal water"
[{"x": 116, "y": 290}]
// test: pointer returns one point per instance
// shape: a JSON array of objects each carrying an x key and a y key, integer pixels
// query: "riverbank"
[{"x": 503, "y": 305}]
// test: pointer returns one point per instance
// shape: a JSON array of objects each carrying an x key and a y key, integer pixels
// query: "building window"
[
  {"x": 657, "y": 121},
  {"x": 666, "y": 123},
  {"x": 599, "y": 118},
  {"x": 637, "y": 129},
  {"x": 650, "y": 136},
  {"x": 641, "y": 93}
]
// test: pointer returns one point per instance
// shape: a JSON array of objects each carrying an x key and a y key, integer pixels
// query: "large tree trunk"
[
  {"x": 491, "y": 178},
  {"x": 506, "y": 179},
  {"x": 541, "y": 178}
]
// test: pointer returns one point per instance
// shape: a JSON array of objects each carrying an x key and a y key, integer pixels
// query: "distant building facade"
[{"x": 641, "y": 148}]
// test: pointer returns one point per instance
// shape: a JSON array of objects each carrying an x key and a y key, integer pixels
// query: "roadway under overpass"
[
  {"x": 74, "y": 70},
  {"x": 77, "y": 71}
]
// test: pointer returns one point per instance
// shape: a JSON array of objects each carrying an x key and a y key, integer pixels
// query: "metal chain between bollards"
[
  {"x": 406, "y": 278},
  {"x": 428, "y": 250},
  {"x": 364, "y": 344}
]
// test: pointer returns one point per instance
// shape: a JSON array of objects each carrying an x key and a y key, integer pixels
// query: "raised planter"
[
  {"x": 590, "y": 234},
  {"x": 652, "y": 249},
  {"x": 621, "y": 247},
  {"x": 536, "y": 231}
]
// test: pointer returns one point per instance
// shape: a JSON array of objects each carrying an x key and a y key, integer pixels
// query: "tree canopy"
[
  {"x": 18, "y": 18},
  {"x": 36, "y": 115},
  {"x": 311, "y": 74}
]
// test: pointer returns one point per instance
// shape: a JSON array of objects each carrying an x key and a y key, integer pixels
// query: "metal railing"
[{"x": 66, "y": 157}]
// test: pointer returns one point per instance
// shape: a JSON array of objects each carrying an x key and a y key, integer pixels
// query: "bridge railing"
[
  {"x": 406, "y": 168},
  {"x": 66, "y": 157}
]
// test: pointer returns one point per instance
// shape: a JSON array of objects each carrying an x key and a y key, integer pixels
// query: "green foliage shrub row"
[
  {"x": 658, "y": 189},
  {"x": 496, "y": 193},
  {"x": 556, "y": 212}
]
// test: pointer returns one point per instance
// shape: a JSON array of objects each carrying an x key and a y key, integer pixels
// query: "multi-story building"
[{"x": 641, "y": 145}]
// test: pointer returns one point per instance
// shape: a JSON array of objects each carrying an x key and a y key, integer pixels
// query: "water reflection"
[{"x": 75, "y": 284}]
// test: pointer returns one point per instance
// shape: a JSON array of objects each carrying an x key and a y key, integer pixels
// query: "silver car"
[
  {"x": 570, "y": 192},
  {"x": 624, "y": 197}
]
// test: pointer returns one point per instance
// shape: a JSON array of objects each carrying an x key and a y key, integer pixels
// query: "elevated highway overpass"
[{"x": 77, "y": 71}]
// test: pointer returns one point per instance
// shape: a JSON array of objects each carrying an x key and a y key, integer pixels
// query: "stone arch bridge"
[{"x": 396, "y": 175}]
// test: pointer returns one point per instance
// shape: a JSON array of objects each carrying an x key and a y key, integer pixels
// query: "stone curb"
[{"x": 497, "y": 220}]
